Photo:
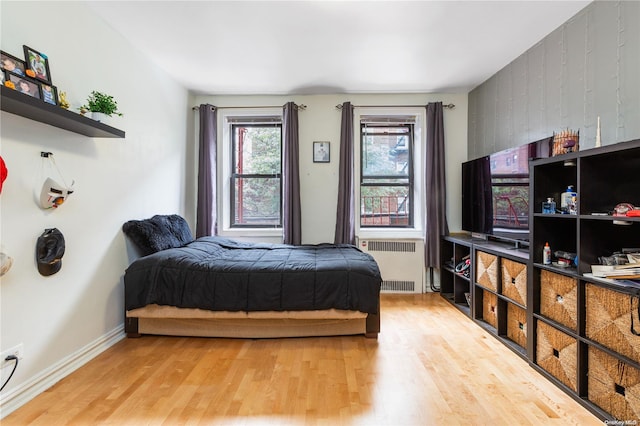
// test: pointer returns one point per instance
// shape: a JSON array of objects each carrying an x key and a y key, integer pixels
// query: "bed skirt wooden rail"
[{"x": 172, "y": 321}]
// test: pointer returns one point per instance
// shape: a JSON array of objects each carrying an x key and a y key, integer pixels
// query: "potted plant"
[{"x": 101, "y": 105}]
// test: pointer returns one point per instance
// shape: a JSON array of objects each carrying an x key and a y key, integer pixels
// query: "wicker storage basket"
[
  {"x": 517, "y": 324},
  {"x": 487, "y": 270},
  {"x": 514, "y": 281},
  {"x": 557, "y": 353},
  {"x": 561, "y": 142},
  {"x": 610, "y": 317},
  {"x": 614, "y": 386},
  {"x": 559, "y": 298},
  {"x": 490, "y": 308}
]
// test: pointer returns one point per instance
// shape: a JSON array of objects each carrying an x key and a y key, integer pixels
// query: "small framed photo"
[
  {"x": 321, "y": 152},
  {"x": 49, "y": 93},
  {"x": 38, "y": 63},
  {"x": 25, "y": 85},
  {"x": 11, "y": 63}
]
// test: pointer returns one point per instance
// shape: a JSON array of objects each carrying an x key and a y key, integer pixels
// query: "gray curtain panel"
[
  {"x": 435, "y": 212},
  {"x": 345, "y": 214},
  {"x": 207, "y": 221},
  {"x": 291, "y": 216}
]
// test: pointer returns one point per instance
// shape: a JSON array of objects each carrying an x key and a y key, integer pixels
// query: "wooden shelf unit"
[{"x": 35, "y": 109}]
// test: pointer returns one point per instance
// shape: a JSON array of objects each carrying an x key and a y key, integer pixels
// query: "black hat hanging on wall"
[
  {"x": 53, "y": 194},
  {"x": 49, "y": 251}
]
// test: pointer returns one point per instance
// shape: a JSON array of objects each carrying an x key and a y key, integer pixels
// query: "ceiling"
[{"x": 318, "y": 47}]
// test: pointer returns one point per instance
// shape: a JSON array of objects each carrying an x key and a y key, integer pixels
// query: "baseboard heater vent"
[
  {"x": 393, "y": 246},
  {"x": 399, "y": 286}
]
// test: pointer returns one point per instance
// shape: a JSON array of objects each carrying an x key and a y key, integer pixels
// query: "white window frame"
[
  {"x": 420, "y": 117},
  {"x": 225, "y": 145}
]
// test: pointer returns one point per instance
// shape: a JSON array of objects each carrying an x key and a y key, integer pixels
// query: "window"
[
  {"x": 256, "y": 172},
  {"x": 386, "y": 173}
]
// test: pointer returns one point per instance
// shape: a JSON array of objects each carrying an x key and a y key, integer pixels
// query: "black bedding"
[{"x": 220, "y": 274}]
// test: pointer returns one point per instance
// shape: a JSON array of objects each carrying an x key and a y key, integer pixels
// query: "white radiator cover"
[{"x": 401, "y": 263}]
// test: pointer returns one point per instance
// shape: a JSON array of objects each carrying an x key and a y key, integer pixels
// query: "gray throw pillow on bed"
[{"x": 158, "y": 233}]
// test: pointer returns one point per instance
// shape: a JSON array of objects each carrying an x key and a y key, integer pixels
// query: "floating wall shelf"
[{"x": 17, "y": 103}]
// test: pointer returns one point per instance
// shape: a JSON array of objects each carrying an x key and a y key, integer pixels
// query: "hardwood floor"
[{"x": 430, "y": 366}]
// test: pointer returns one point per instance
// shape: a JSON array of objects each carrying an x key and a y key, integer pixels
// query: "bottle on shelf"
[
  {"x": 569, "y": 200},
  {"x": 549, "y": 206},
  {"x": 546, "y": 254}
]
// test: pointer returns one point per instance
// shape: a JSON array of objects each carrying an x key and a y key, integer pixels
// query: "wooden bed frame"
[{"x": 172, "y": 321}]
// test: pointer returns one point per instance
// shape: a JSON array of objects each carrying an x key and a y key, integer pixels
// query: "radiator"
[{"x": 401, "y": 263}]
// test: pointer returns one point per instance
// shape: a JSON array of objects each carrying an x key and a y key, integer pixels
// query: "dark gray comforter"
[{"x": 216, "y": 273}]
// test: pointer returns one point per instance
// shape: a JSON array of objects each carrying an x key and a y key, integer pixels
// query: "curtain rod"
[
  {"x": 300, "y": 107},
  {"x": 339, "y": 106}
]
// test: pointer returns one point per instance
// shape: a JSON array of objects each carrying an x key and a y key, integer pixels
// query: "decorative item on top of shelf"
[
  {"x": 53, "y": 194},
  {"x": 12, "y": 64},
  {"x": 64, "y": 103},
  {"x": 49, "y": 93},
  {"x": 24, "y": 85},
  {"x": 101, "y": 103},
  {"x": 38, "y": 63},
  {"x": 565, "y": 141}
]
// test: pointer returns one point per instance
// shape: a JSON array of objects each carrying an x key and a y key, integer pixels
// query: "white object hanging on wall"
[
  {"x": 53, "y": 194},
  {"x": 598, "y": 140}
]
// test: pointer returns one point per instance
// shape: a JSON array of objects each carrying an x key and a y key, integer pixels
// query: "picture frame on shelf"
[
  {"x": 25, "y": 85},
  {"x": 39, "y": 63},
  {"x": 321, "y": 152},
  {"x": 49, "y": 93},
  {"x": 12, "y": 64}
]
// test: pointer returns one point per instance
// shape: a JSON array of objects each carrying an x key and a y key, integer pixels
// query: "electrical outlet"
[{"x": 17, "y": 350}]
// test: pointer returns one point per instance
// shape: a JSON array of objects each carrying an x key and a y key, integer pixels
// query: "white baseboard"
[{"x": 19, "y": 396}]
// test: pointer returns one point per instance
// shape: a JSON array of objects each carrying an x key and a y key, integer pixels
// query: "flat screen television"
[{"x": 495, "y": 192}]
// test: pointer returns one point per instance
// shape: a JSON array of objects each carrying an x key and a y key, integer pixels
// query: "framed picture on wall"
[
  {"x": 11, "y": 63},
  {"x": 38, "y": 63},
  {"x": 25, "y": 85},
  {"x": 321, "y": 152}
]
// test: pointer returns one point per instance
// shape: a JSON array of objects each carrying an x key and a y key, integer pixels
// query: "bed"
[{"x": 219, "y": 287}]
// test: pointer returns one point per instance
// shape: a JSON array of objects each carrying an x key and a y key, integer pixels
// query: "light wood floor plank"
[{"x": 431, "y": 365}]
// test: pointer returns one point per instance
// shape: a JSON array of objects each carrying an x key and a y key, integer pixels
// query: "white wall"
[
  {"x": 61, "y": 316},
  {"x": 321, "y": 122}
]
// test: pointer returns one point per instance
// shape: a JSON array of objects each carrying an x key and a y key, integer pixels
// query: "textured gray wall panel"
[{"x": 587, "y": 68}]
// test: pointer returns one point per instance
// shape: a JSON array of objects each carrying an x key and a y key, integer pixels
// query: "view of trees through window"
[
  {"x": 256, "y": 175},
  {"x": 386, "y": 175}
]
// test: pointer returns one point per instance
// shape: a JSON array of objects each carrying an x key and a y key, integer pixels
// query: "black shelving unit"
[
  {"x": 589, "y": 319},
  {"x": 35, "y": 109},
  {"x": 454, "y": 286}
]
